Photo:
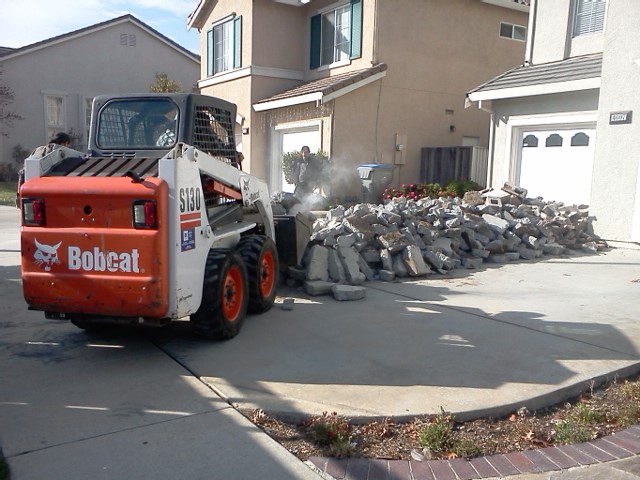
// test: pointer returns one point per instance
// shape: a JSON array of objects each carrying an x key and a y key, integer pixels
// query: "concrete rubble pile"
[{"x": 407, "y": 238}]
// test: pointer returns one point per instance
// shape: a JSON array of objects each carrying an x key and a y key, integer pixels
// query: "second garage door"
[{"x": 557, "y": 164}]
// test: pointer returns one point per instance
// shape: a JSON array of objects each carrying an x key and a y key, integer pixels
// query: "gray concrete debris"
[
  {"x": 387, "y": 275},
  {"x": 318, "y": 263},
  {"x": 350, "y": 261},
  {"x": 344, "y": 293},
  {"x": 407, "y": 238},
  {"x": 318, "y": 287},
  {"x": 287, "y": 304},
  {"x": 414, "y": 262}
]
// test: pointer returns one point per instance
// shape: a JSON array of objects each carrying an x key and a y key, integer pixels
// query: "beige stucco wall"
[
  {"x": 435, "y": 51},
  {"x": 615, "y": 197},
  {"x": 451, "y": 48},
  {"x": 84, "y": 67},
  {"x": 554, "y": 30}
]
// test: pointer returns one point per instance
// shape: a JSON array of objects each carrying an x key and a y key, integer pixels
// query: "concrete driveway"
[{"x": 475, "y": 342}]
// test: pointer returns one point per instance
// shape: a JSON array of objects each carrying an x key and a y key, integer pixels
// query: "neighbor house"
[
  {"x": 562, "y": 125},
  {"x": 366, "y": 81},
  {"x": 55, "y": 80}
]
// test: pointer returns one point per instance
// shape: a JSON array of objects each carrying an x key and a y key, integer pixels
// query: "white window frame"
[
  {"x": 513, "y": 28},
  {"x": 338, "y": 55},
  {"x": 51, "y": 128},
  {"x": 596, "y": 19},
  {"x": 221, "y": 44}
]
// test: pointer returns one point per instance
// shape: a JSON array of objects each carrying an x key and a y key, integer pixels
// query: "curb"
[{"x": 620, "y": 445}]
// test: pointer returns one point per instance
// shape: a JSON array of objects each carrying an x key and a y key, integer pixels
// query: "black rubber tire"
[
  {"x": 225, "y": 296},
  {"x": 260, "y": 255}
]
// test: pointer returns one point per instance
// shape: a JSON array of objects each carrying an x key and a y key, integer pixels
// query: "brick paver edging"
[{"x": 620, "y": 445}]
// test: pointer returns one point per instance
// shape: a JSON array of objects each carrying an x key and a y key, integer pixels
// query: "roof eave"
[
  {"x": 534, "y": 90},
  {"x": 288, "y": 102},
  {"x": 321, "y": 97}
]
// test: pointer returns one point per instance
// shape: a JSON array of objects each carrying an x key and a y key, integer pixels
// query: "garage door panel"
[{"x": 557, "y": 164}]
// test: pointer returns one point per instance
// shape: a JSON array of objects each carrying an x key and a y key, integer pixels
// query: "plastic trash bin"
[{"x": 375, "y": 177}]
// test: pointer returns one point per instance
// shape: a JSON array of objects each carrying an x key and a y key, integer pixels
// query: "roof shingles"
[{"x": 327, "y": 85}]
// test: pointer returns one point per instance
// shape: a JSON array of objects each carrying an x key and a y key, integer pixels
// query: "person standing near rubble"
[{"x": 303, "y": 173}]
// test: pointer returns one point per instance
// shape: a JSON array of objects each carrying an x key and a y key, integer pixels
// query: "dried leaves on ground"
[{"x": 594, "y": 414}]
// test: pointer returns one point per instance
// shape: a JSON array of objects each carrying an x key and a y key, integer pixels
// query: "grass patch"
[
  {"x": 4, "y": 470},
  {"x": 8, "y": 195}
]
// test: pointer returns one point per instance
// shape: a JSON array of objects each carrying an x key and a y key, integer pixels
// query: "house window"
[
  {"x": 515, "y": 32},
  {"x": 554, "y": 140},
  {"x": 589, "y": 17},
  {"x": 54, "y": 111},
  {"x": 336, "y": 35},
  {"x": 530, "y": 141},
  {"x": 580, "y": 139},
  {"x": 223, "y": 46}
]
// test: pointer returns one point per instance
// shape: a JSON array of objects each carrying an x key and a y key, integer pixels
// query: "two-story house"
[
  {"x": 54, "y": 81},
  {"x": 562, "y": 125},
  {"x": 366, "y": 81}
]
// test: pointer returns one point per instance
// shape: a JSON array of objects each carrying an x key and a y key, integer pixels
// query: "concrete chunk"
[
  {"x": 318, "y": 287},
  {"x": 349, "y": 257},
  {"x": 344, "y": 293},
  {"x": 415, "y": 263},
  {"x": 318, "y": 263}
]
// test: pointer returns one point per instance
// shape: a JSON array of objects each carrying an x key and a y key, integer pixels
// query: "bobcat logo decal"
[{"x": 46, "y": 255}]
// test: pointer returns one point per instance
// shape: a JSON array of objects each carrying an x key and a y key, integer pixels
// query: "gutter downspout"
[
  {"x": 492, "y": 142},
  {"x": 531, "y": 32}
]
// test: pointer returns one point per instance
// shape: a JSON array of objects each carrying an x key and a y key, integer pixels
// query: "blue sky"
[{"x": 30, "y": 21}]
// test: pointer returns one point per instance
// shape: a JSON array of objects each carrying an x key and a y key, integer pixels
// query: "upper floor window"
[
  {"x": 223, "y": 46},
  {"x": 336, "y": 35},
  {"x": 516, "y": 32},
  {"x": 589, "y": 17}
]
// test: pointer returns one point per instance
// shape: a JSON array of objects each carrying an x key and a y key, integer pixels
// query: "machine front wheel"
[
  {"x": 261, "y": 258},
  {"x": 225, "y": 296}
]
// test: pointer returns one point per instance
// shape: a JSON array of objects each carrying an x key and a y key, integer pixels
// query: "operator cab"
[{"x": 149, "y": 125}]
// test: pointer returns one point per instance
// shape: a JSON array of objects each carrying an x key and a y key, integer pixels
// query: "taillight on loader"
[
  {"x": 33, "y": 212},
  {"x": 144, "y": 214}
]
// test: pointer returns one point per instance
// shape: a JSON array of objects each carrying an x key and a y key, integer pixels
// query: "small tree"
[
  {"x": 7, "y": 115},
  {"x": 163, "y": 84}
]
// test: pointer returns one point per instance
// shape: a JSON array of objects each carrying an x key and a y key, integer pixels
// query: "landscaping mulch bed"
[{"x": 594, "y": 414}]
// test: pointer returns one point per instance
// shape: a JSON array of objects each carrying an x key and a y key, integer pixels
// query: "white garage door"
[{"x": 557, "y": 164}]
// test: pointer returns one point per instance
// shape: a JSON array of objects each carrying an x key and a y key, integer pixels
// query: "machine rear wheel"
[
  {"x": 261, "y": 258},
  {"x": 225, "y": 296}
]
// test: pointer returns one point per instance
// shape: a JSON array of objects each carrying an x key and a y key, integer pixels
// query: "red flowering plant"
[
  {"x": 416, "y": 191},
  {"x": 333, "y": 430}
]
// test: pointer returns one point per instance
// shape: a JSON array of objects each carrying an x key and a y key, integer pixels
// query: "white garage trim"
[{"x": 517, "y": 125}]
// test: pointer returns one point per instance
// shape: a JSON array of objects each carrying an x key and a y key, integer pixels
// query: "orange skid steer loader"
[{"x": 154, "y": 224}]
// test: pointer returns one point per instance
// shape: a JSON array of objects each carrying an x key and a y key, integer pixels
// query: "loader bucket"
[{"x": 292, "y": 236}]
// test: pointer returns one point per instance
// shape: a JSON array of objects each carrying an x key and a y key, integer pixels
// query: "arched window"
[
  {"x": 580, "y": 139},
  {"x": 554, "y": 140},
  {"x": 530, "y": 141}
]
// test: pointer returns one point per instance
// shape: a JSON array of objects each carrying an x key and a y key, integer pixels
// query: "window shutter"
[
  {"x": 356, "y": 28},
  {"x": 314, "y": 54},
  {"x": 209, "y": 53},
  {"x": 237, "y": 42}
]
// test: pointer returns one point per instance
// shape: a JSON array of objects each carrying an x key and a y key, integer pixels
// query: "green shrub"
[
  {"x": 466, "y": 448},
  {"x": 437, "y": 435},
  {"x": 333, "y": 430},
  {"x": 570, "y": 431}
]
